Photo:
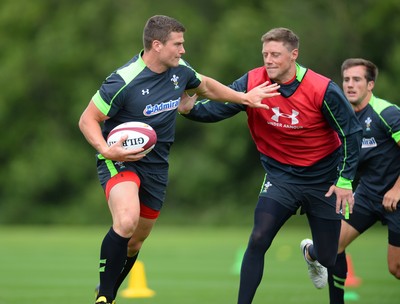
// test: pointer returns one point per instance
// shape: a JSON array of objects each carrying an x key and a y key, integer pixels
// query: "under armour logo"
[
  {"x": 279, "y": 114},
  {"x": 145, "y": 92}
]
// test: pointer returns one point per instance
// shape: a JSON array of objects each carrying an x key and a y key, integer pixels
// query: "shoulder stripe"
[
  {"x": 129, "y": 72},
  {"x": 183, "y": 62},
  {"x": 379, "y": 105}
]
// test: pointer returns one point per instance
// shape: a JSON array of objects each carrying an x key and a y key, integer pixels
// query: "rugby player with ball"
[{"x": 146, "y": 89}]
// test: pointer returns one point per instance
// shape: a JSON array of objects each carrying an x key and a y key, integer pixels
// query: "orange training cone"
[
  {"x": 137, "y": 284},
  {"x": 351, "y": 280}
]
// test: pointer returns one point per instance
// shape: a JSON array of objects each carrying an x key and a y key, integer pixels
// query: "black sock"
[
  {"x": 130, "y": 261},
  {"x": 112, "y": 260},
  {"x": 336, "y": 279},
  {"x": 310, "y": 250}
]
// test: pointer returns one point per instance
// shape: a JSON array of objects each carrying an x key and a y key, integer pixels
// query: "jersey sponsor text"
[
  {"x": 162, "y": 107},
  {"x": 368, "y": 143}
]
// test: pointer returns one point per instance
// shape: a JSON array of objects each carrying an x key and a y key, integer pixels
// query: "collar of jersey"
[{"x": 300, "y": 72}]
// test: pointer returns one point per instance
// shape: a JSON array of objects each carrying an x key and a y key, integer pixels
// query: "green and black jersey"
[
  {"x": 135, "y": 93},
  {"x": 379, "y": 164}
]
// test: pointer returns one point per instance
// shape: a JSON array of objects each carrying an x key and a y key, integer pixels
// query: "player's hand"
[
  {"x": 187, "y": 103},
  {"x": 254, "y": 97},
  {"x": 344, "y": 199},
  {"x": 117, "y": 152},
  {"x": 391, "y": 199}
]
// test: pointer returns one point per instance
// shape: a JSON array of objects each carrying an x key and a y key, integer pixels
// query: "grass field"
[{"x": 183, "y": 265}]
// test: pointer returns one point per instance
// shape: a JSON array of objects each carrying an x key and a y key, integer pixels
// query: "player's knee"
[
  {"x": 126, "y": 226},
  {"x": 259, "y": 240}
]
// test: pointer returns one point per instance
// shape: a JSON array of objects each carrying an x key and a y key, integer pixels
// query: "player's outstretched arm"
[{"x": 214, "y": 90}]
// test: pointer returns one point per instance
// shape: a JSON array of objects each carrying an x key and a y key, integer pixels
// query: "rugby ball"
[{"x": 140, "y": 135}]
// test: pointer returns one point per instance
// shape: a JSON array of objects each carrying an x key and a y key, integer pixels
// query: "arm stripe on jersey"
[
  {"x": 343, "y": 136},
  {"x": 101, "y": 104}
]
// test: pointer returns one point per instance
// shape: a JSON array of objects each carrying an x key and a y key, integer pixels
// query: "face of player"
[
  {"x": 279, "y": 61},
  {"x": 171, "y": 52},
  {"x": 356, "y": 87}
]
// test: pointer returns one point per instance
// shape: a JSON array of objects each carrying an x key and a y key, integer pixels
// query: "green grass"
[{"x": 188, "y": 265}]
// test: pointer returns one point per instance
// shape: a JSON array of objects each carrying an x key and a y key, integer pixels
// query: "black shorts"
[
  {"x": 153, "y": 184},
  {"x": 309, "y": 197},
  {"x": 367, "y": 211}
]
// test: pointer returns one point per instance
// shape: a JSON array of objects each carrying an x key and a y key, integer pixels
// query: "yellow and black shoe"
[{"x": 103, "y": 300}]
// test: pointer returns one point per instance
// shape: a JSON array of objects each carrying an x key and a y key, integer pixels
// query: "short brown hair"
[
  {"x": 371, "y": 69},
  {"x": 290, "y": 40},
  {"x": 158, "y": 28}
]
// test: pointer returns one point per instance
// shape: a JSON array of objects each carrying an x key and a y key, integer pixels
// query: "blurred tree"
[{"x": 56, "y": 53}]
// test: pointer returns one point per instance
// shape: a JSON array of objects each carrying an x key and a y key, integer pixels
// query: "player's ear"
[
  {"x": 157, "y": 45},
  {"x": 295, "y": 54},
  {"x": 370, "y": 85}
]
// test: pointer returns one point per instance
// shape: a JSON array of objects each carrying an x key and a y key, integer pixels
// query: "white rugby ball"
[{"x": 140, "y": 135}]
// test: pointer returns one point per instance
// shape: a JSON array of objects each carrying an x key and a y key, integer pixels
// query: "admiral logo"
[
  {"x": 368, "y": 143},
  {"x": 171, "y": 105}
]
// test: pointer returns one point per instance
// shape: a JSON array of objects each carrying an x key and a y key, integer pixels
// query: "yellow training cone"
[{"x": 137, "y": 285}]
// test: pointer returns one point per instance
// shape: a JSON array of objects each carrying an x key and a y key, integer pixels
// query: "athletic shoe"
[
  {"x": 103, "y": 300},
  {"x": 317, "y": 273}
]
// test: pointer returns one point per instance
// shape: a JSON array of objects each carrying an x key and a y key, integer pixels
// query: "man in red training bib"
[{"x": 309, "y": 142}]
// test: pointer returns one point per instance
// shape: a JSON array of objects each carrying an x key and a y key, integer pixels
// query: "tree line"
[{"x": 56, "y": 53}]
